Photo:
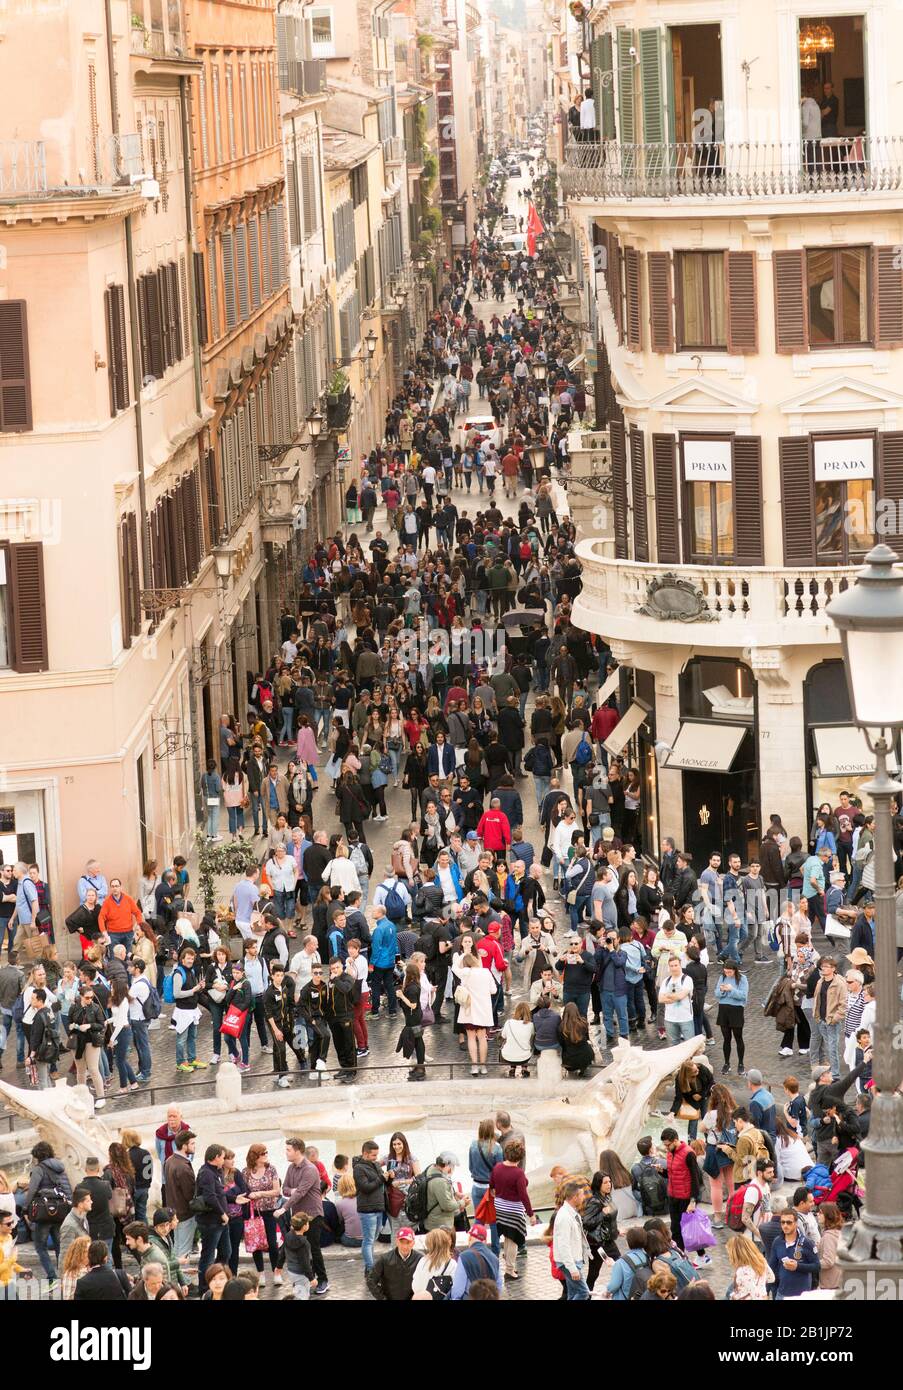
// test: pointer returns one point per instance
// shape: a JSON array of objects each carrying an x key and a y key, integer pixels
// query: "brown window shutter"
[
  {"x": 163, "y": 289},
  {"x": 172, "y": 271},
  {"x": 619, "y": 486},
  {"x": 156, "y": 358},
  {"x": 742, "y": 310},
  {"x": 214, "y": 515},
  {"x": 634, "y": 327},
  {"x": 117, "y": 351},
  {"x": 179, "y": 537},
  {"x": 134, "y": 576},
  {"x": 638, "y": 491},
  {"x": 28, "y": 607},
  {"x": 615, "y": 292},
  {"x": 887, "y": 278},
  {"x": 749, "y": 531},
  {"x": 790, "y": 321},
  {"x": 890, "y": 484},
  {"x": 200, "y": 295},
  {"x": 15, "y": 385},
  {"x": 143, "y": 325},
  {"x": 111, "y": 350},
  {"x": 124, "y": 583},
  {"x": 192, "y": 524},
  {"x": 797, "y": 501},
  {"x": 661, "y": 320},
  {"x": 664, "y": 473}
]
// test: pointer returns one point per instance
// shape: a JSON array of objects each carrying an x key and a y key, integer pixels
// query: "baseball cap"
[
  {"x": 754, "y": 1076},
  {"x": 447, "y": 1157},
  {"x": 404, "y": 1233},
  {"x": 478, "y": 1231},
  {"x": 471, "y": 835},
  {"x": 162, "y": 1215},
  {"x": 819, "y": 1071}
]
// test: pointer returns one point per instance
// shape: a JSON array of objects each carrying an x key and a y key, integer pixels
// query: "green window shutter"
[
  {"x": 605, "y": 102},
  {"x": 626, "y": 119},
  {"x": 652, "y": 87}
]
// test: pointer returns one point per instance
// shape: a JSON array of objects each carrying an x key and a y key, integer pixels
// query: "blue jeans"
[
  {"x": 477, "y": 1193},
  {"x": 121, "y": 1053},
  {"x": 6, "y": 1018},
  {"x": 829, "y": 1034},
  {"x": 258, "y": 811},
  {"x": 577, "y": 1289},
  {"x": 288, "y": 719},
  {"x": 213, "y": 820},
  {"x": 142, "y": 1046},
  {"x": 10, "y": 933},
  {"x": 614, "y": 1004},
  {"x": 242, "y": 1042},
  {"x": 383, "y": 978},
  {"x": 322, "y": 715},
  {"x": 236, "y": 819},
  {"x": 636, "y": 1003},
  {"x": 216, "y": 1247},
  {"x": 285, "y": 902},
  {"x": 370, "y": 1224},
  {"x": 680, "y": 1032},
  {"x": 187, "y": 1044},
  {"x": 46, "y": 1238},
  {"x": 732, "y": 950},
  {"x": 542, "y": 785},
  {"x": 581, "y": 1000}
]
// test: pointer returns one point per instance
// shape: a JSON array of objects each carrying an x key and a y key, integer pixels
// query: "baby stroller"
[{"x": 843, "y": 1189}]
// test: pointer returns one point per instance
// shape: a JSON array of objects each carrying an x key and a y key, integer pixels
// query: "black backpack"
[
  {"x": 49, "y": 1204},
  {"x": 642, "y": 1273},
  {"x": 417, "y": 1201},
  {"x": 653, "y": 1187}
]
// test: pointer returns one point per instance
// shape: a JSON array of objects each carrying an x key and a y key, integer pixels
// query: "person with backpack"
[
  {"x": 44, "y": 1045},
  {"x": 684, "y": 1185},
  {"x": 749, "y": 1147},
  {"x": 431, "y": 1200},
  {"x": 749, "y": 1203},
  {"x": 144, "y": 1006},
  {"x": 362, "y": 861},
  {"x": 649, "y": 1181},
  {"x": 631, "y": 1273},
  {"x": 383, "y": 955},
  {"x": 48, "y": 1202},
  {"x": 475, "y": 1262},
  {"x": 393, "y": 896}
]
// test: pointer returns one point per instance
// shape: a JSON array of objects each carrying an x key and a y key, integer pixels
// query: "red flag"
[{"x": 535, "y": 228}]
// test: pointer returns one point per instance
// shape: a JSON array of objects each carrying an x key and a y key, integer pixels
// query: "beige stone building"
[{"x": 739, "y": 224}]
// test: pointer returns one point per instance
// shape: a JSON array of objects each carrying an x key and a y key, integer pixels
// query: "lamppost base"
[{"x": 870, "y": 1258}]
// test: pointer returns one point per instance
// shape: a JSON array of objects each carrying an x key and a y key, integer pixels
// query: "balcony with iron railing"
[
  {"x": 38, "y": 168},
  {"x": 155, "y": 43},
  {"x": 738, "y": 606},
  {"x": 739, "y": 170},
  {"x": 393, "y": 149}
]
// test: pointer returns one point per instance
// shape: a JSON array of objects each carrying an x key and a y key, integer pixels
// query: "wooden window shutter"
[
  {"x": 653, "y": 101},
  {"x": 134, "y": 575},
  {"x": 664, "y": 476},
  {"x": 294, "y": 204},
  {"x": 797, "y": 501},
  {"x": 124, "y": 594},
  {"x": 890, "y": 485},
  {"x": 156, "y": 363},
  {"x": 254, "y": 260},
  {"x": 742, "y": 315},
  {"x": 607, "y": 104},
  {"x": 28, "y": 606},
  {"x": 626, "y": 67},
  {"x": 619, "y": 486},
  {"x": 638, "y": 494},
  {"x": 117, "y": 350},
  {"x": 185, "y": 315},
  {"x": 228, "y": 280},
  {"x": 212, "y": 497},
  {"x": 661, "y": 319},
  {"x": 633, "y": 262},
  {"x": 200, "y": 296},
  {"x": 749, "y": 530},
  {"x": 162, "y": 282},
  {"x": 143, "y": 327},
  {"x": 241, "y": 271},
  {"x": 887, "y": 279},
  {"x": 15, "y": 384},
  {"x": 790, "y": 324},
  {"x": 616, "y": 290},
  {"x": 178, "y": 347}
]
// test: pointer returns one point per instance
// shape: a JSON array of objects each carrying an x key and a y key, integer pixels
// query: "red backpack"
[{"x": 734, "y": 1213}]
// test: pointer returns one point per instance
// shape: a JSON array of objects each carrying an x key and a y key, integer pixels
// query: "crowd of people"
[{"x": 431, "y": 648}]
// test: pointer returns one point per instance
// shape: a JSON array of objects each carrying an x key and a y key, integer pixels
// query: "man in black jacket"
[
  {"x": 343, "y": 991},
  {"x": 213, "y": 1221},
  {"x": 511, "y": 732},
  {"x": 685, "y": 881},
  {"x": 101, "y": 1284},
  {"x": 668, "y": 867},
  {"x": 279, "y": 1011},
  {"x": 467, "y": 803},
  {"x": 101, "y": 1225},
  {"x": 391, "y": 1278},
  {"x": 370, "y": 1181}
]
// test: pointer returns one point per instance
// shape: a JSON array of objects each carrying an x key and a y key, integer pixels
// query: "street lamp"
[
  {"x": 538, "y": 456},
  {"x": 869, "y": 617},
  {"x": 539, "y": 371},
  {"x": 222, "y": 558},
  {"x": 539, "y": 312},
  {"x": 370, "y": 341},
  {"x": 315, "y": 424}
]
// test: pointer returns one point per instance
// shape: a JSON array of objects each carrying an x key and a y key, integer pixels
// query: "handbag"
[
  {"x": 687, "y": 1112},
  {"x": 394, "y": 1200},
  {"x": 122, "y": 1206},
  {"x": 427, "y": 1016},
  {"x": 710, "y": 1164},
  {"x": 485, "y": 1211},
  {"x": 233, "y": 1023},
  {"x": 255, "y": 1231},
  {"x": 546, "y": 857},
  {"x": 462, "y": 997}
]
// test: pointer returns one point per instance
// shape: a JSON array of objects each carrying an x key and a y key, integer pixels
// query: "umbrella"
[{"x": 524, "y": 617}]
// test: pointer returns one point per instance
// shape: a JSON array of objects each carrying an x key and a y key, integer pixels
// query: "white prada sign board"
[
  {"x": 838, "y": 460},
  {"x": 707, "y": 460}
]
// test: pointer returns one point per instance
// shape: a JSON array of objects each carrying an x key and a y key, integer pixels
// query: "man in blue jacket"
[
  {"x": 762, "y": 1109},
  {"x": 793, "y": 1259},
  {"x": 611, "y": 973},
  {"x": 383, "y": 954},
  {"x": 476, "y": 1262}
]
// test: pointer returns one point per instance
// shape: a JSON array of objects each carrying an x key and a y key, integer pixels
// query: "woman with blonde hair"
[
  {"x": 75, "y": 1264},
  {"x": 7, "y": 1196},
  {"x": 345, "y": 1202},
  {"x": 474, "y": 995},
  {"x": 660, "y": 1287},
  {"x": 145, "y": 947},
  {"x": 751, "y": 1272},
  {"x": 436, "y": 1270},
  {"x": 517, "y": 1040},
  {"x": 830, "y": 1219}
]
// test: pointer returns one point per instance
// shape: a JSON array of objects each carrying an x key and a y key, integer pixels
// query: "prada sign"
[
  {"x": 707, "y": 460},
  {"x": 838, "y": 460}
]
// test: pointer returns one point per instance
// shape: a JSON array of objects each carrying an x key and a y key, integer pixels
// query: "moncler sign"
[
  {"x": 707, "y": 460},
  {"x": 840, "y": 460}
]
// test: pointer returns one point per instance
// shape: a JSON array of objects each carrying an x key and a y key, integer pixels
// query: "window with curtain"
[
  {"x": 710, "y": 512},
  {"x": 702, "y": 322}
]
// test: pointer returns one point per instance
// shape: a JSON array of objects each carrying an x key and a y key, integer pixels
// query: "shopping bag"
[
  {"x": 233, "y": 1024},
  {"x": 255, "y": 1231},
  {"x": 696, "y": 1230},
  {"x": 485, "y": 1211}
]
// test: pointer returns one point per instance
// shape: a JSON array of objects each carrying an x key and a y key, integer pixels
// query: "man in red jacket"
[
  {"x": 604, "y": 720},
  {"x": 684, "y": 1186},
  {"x": 120, "y": 914},
  {"x": 494, "y": 828}
]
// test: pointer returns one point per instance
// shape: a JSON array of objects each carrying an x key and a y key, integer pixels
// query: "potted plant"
[
  {"x": 338, "y": 400},
  {"x": 337, "y": 384}
]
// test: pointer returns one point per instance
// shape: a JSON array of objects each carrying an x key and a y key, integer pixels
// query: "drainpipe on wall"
[{"x": 187, "y": 179}]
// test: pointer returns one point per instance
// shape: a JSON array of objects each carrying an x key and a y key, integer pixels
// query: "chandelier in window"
[
  {"x": 814, "y": 39},
  {"x": 809, "y": 59}
]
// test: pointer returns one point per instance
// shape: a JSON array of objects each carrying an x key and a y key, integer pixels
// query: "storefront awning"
[
  {"x": 842, "y": 751},
  {"x": 706, "y": 747},
  {"x": 624, "y": 731},
  {"x": 609, "y": 688}
]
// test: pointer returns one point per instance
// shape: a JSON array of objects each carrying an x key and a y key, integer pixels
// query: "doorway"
[
  {"x": 721, "y": 813},
  {"x": 833, "y": 75},
  {"x": 697, "y": 89}
]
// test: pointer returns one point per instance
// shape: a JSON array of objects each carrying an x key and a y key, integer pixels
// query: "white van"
[
  {"x": 483, "y": 424},
  {"x": 515, "y": 242}
]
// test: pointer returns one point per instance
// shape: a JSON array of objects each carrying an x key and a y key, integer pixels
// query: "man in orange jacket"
[
  {"x": 494, "y": 828},
  {"x": 120, "y": 914}
]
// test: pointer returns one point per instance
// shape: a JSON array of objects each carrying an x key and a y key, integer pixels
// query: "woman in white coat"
[
  {"x": 341, "y": 873},
  {"x": 474, "y": 995}
]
